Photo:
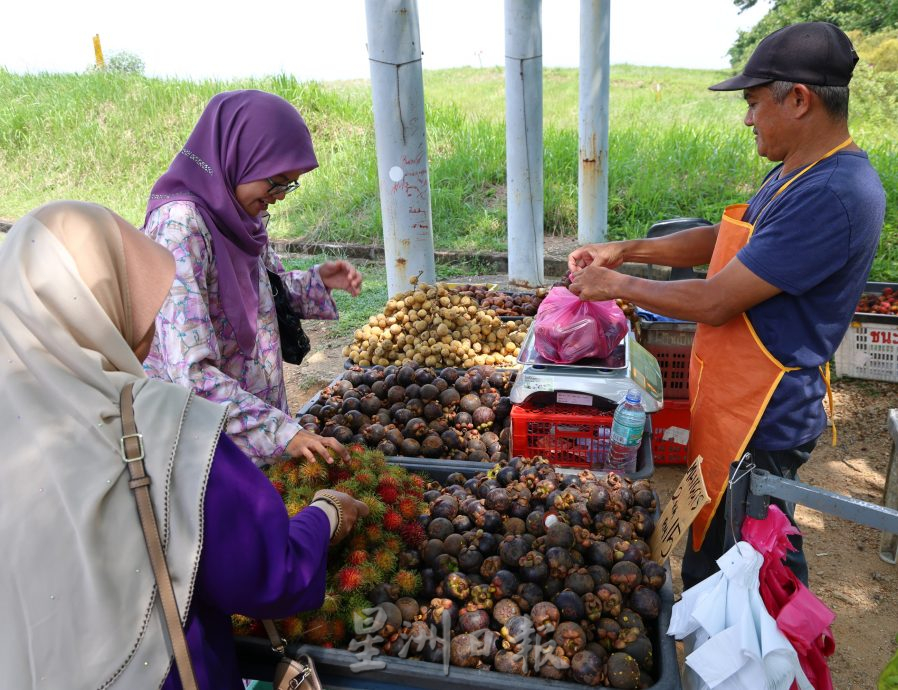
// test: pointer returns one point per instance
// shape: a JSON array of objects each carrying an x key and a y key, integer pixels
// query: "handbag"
[
  {"x": 290, "y": 674},
  {"x": 295, "y": 343}
]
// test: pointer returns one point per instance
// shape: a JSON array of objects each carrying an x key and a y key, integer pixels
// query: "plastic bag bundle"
[{"x": 568, "y": 329}]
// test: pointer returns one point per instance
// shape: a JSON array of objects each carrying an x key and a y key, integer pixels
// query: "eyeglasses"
[{"x": 278, "y": 188}]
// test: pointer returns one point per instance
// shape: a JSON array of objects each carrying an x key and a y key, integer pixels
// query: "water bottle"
[{"x": 626, "y": 433}]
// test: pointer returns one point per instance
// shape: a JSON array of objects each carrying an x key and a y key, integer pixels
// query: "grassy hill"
[{"x": 675, "y": 149}]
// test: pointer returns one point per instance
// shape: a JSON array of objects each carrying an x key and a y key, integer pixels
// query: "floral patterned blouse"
[{"x": 195, "y": 346}]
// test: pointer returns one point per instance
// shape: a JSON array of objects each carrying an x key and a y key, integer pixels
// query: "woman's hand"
[
  {"x": 350, "y": 511},
  {"x": 341, "y": 275},
  {"x": 312, "y": 446}
]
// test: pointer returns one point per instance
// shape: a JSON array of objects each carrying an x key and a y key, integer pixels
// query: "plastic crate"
[
  {"x": 670, "y": 433},
  {"x": 869, "y": 350},
  {"x": 571, "y": 436},
  {"x": 671, "y": 344},
  {"x": 257, "y": 660}
]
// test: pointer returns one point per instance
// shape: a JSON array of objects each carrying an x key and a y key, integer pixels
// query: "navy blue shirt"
[{"x": 815, "y": 242}]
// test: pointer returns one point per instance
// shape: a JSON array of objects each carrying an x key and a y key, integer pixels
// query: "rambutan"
[
  {"x": 392, "y": 520},
  {"x": 373, "y": 533},
  {"x": 332, "y": 602},
  {"x": 279, "y": 486},
  {"x": 371, "y": 575},
  {"x": 393, "y": 543},
  {"x": 408, "y": 581},
  {"x": 365, "y": 479},
  {"x": 244, "y": 625},
  {"x": 357, "y": 557},
  {"x": 349, "y": 578},
  {"x": 291, "y": 628},
  {"x": 338, "y": 474},
  {"x": 385, "y": 560},
  {"x": 376, "y": 507},
  {"x": 356, "y": 448},
  {"x": 317, "y": 630},
  {"x": 293, "y": 507},
  {"x": 408, "y": 508},
  {"x": 345, "y": 487},
  {"x": 312, "y": 472},
  {"x": 388, "y": 493},
  {"x": 357, "y": 542},
  {"x": 412, "y": 534},
  {"x": 388, "y": 479}
]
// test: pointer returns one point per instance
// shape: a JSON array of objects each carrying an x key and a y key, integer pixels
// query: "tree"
[{"x": 866, "y": 16}]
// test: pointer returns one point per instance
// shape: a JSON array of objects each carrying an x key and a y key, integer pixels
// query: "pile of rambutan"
[{"x": 369, "y": 556}]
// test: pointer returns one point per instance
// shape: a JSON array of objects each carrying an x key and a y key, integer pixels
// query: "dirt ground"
[{"x": 845, "y": 569}]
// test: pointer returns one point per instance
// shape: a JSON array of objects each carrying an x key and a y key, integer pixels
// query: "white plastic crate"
[{"x": 869, "y": 350}]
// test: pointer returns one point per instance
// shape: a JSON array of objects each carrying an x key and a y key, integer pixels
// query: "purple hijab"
[{"x": 242, "y": 136}]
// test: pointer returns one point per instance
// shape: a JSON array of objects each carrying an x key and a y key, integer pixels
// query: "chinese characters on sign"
[
  {"x": 527, "y": 644},
  {"x": 679, "y": 512}
]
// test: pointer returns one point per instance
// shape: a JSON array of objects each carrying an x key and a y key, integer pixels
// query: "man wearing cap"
[{"x": 785, "y": 274}]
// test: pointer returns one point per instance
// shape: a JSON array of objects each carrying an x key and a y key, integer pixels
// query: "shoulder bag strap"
[{"x": 133, "y": 455}]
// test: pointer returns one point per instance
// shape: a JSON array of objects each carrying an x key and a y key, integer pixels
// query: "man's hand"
[
  {"x": 595, "y": 283},
  {"x": 608, "y": 254},
  {"x": 341, "y": 275},
  {"x": 312, "y": 447}
]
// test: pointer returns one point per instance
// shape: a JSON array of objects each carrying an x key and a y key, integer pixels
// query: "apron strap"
[{"x": 825, "y": 373}]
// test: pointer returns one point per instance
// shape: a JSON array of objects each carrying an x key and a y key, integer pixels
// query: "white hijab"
[{"x": 79, "y": 288}]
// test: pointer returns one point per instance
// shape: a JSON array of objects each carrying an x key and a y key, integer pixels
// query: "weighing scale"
[{"x": 628, "y": 366}]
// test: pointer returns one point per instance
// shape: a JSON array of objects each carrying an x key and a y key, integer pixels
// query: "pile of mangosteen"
[
  {"x": 414, "y": 411},
  {"x": 540, "y": 574}
]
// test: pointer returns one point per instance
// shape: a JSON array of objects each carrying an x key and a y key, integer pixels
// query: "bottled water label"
[{"x": 626, "y": 435}]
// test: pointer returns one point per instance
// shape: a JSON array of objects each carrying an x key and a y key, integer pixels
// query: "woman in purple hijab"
[{"x": 217, "y": 332}]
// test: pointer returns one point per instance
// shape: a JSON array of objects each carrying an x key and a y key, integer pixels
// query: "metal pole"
[
  {"x": 524, "y": 140},
  {"x": 397, "y": 94},
  {"x": 595, "y": 76}
]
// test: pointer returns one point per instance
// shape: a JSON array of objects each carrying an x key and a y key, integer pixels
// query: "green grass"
[{"x": 675, "y": 149}]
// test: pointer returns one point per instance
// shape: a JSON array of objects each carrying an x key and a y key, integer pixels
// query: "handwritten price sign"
[{"x": 679, "y": 512}]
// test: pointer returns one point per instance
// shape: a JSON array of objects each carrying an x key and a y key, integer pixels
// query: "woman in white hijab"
[{"x": 79, "y": 291}]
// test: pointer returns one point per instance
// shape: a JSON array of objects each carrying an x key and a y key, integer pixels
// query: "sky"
[{"x": 326, "y": 39}]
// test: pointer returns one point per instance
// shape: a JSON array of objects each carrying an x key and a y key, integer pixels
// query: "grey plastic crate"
[{"x": 257, "y": 660}]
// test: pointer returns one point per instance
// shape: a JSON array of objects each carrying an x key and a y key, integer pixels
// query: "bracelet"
[{"x": 329, "y": 498}]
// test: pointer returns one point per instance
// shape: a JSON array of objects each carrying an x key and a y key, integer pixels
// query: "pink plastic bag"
[{"x": 567, "y": 329}]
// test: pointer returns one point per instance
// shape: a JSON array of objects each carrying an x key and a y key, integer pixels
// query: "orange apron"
[{"x": 732, "y": 375}]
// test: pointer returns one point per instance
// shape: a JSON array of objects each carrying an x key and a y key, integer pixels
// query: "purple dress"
[{"x": 255, "y": 561}]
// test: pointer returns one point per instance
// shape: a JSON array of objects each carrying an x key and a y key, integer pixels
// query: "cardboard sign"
[{"x": 686, "y": 502}]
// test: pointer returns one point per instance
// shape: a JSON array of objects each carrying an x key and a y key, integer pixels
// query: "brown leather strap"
[
  {"x": 277, "y": 642},
  {"x": 132, "y": 454}
]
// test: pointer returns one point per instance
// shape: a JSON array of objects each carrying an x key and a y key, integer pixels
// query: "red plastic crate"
[
  {"x": 674, "y": 363},
  {"x": 566, "y": 435},
  {"x": 673, "y": 422}
]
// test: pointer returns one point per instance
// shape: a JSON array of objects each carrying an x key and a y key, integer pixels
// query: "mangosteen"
[
  {"x": 405, "y": 375},
  {"x": 517, "y": 633},
  {"x": 443, "y": 565},
  {"x": 428, "y": 392},
  {"x": 482, "y": 417},
  {"x": 560, "y": 561},
  {"x": 488, "y": 543},
  {"x": 410, "y": 448},
  {"x": 415, "y": 406},
  {"x": 653, "y": 574},
  {"x": 646, "y": 602},
  {"x": 374, "y": 434},
  {"x": 431, "y": 446},
  {"x": 395, "y": 394},
  {"x": 449, "y": 375},
  {"x": 641, "y": 650},
  {"x": 478, "y": 456},
  {"x": 587, "y": 668},
  {"x": 473, "y": 620},
  {"x": 481, "y": 597},
  {"x": 470, "y": 559},
  {"x": 534, "y": 522},
  {"x": 546, "y": 617},
  {"x": 465, "y": 651},
  {"x": 431, "y": 495},
  {"x": 412, "y": 392},
  {"x": 387, "y": 448},
  {"x": 612, "y": 599},
  {"x": 424, "y": 376},
  {"x": 599, "y": 575},
  {"x": 570, "y": 605},
  {"x": 463, "y": 421},
  {"x": 497, "y": 499},
  {"x": 490, "y": 566},
  {"x": 512, "y": 548},
  {"x": 431, "y": 549},
  {"x": 622, "y": 671},
  {"x": 532, "y": 567},
  {"x": 507, "y": 661},
  {"x": 380, "y": 389},
  {"x": 428, "y": 583},
  {"x": 462, "y": 523},
  {"x": 408, "y": 607},
  {"x": 560, "y": 534},
  {"x": 433, "y": 411},
  {"x": 440, "y": 528},
  {"x": 552, "y": 586},
  {"x": 643, "y": 522},
  {"x": 385, "y": 591},
  {"x": 402, "y": 416},
  {"x": 369, "y": 404},
  {"x": 579, "y": 581},
  {"x": 456, "y": 585},
  {"x": 444, "y": 506},
  {"x": 489, "y": 520},
  {"x": 570, "y": 637},
  {"x": 409, "y": 560},
  {"x": 469, "y": 403},
  {"x": 464, "y": 385},
  {"x": 504, "y": 610}
]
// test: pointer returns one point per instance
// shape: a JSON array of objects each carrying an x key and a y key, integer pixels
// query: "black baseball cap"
[{"x": 815, "y": 53}]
